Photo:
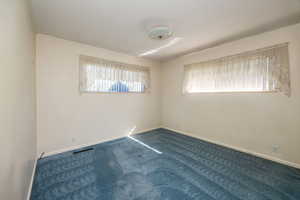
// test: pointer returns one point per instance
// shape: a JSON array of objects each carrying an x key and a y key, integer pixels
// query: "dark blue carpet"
[{"x": 177, "y": 168}]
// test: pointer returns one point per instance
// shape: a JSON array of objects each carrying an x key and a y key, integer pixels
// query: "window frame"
[
  {"x": 96, "y": 59},
  {"x": 229, "y": 91}
]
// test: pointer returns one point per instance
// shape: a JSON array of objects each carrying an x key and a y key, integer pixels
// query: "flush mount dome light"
[{"x": 160, "y": 33}]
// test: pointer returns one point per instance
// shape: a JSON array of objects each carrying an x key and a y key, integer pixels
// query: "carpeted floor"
[{"x": 164, "y": 165}]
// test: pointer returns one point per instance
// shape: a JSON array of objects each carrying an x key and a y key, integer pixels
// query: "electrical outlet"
[
  {"x": 73, "y": 140},
  {"x": 275, "y": 149}
]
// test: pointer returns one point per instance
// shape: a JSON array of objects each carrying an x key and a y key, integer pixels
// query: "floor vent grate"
[{"x": 84, "y": 150}]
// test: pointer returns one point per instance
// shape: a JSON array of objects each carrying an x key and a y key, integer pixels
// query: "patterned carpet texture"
[{"x": 161, "y": 164}]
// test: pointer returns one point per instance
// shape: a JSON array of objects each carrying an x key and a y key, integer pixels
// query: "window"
[
  {"x": 263, "y": 70},
  {"x": 99, "y": 75}
]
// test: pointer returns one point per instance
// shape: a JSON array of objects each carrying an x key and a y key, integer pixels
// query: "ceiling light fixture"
[{"x": 160, "y": 33}]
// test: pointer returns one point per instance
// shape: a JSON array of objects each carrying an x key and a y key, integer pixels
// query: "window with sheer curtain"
[
  {"x": 99, "y": 75},
  {"x": 263, "y": 70}
]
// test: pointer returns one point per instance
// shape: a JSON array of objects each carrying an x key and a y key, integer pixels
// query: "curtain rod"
[
  {"x": 97, "y": 60},
  {"x": 241, "y": 54}
]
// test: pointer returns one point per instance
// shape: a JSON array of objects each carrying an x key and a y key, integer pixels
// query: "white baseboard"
[
  {"x": 92, "y": 143},
  {"x": 31, "y": 180},
  {"x": 268, "y": 157}
]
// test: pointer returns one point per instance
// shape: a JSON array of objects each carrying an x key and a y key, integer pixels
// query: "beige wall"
[
  {"x": 17, "y": 99},
  {"x": 66, "y": 118},
  {"x": 253, "y": 121}
]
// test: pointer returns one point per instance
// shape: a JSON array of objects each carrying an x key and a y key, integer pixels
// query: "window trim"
[
  {"x": 233, "y": 56},
  {"x": 125, "y": 65}
]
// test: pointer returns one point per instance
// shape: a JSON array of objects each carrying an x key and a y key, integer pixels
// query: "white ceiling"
[{"x": 121, "y": 25}]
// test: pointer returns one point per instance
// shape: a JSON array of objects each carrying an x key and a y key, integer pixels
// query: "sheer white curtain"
[
  {"x": 99, "y": 75},
  {"x": 262, "y": 70}
]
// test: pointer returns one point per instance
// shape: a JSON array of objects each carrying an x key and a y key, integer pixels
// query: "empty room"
[{"x": 150, "y": 100}]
